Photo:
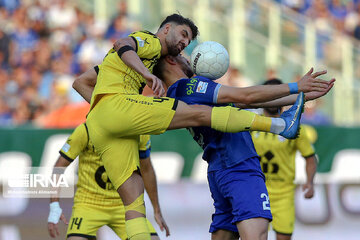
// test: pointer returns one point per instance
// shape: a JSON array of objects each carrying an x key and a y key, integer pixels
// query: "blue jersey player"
[{"x": 235, "y": 178}]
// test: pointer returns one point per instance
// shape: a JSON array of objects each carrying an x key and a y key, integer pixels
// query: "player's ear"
[
  {"x": 170, "y": 59},
  {"x": 167, "y": 28}
]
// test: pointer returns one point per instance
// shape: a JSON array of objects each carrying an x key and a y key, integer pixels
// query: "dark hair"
[
  {"x": 273, "y": 81},
  {"x": 180, "y": 20}
]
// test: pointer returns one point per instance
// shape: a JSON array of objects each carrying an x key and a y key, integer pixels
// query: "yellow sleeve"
[
  {"x": 144, "y": 146},
  {"x": 304, "y": 145},
  {"x": 147, "y": 44},
  {"x": 75, "y": 144}
]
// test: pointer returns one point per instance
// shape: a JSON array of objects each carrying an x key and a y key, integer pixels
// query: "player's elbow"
[
  {"x": 122, "y": 42},
  {"x": 76, "y": 83},
  {"x": 250, "y": 99},
  {"x": 241, "y": 98}
]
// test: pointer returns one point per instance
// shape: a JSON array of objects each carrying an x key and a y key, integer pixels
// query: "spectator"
[
  {"x": 4, "y": 49},
  {"x": 118, "y": 28}
]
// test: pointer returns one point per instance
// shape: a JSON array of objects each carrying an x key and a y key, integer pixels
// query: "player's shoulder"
[
  {"x": 192, "y": 80},
  {"x": 81, "y": 129},
  {"x": 171, "y": 91},
  {"x": 144, "y": 32},
  {"x": 201, "y": 78},
  {"x": 144, "y": 35}
]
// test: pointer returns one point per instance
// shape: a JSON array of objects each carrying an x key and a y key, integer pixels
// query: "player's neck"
[{"x": 172, "y": 77}]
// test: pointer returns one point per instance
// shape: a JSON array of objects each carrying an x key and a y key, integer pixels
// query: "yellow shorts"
[
  {"x": 283, "y": 211},
  {"x": 87, "y": 219},
  {"x": 115, "y": 124}
]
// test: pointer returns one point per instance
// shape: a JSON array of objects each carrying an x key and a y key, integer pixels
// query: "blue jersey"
[{"x": 221, "y": 150}]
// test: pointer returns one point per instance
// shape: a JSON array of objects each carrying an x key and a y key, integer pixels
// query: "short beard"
[{"x": 172, "y": 49}]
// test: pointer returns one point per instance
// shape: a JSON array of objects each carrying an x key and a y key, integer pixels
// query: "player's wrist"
[
  {"x": 157, "y": 210},
  {"x": 55, "y": 212},
  {"x": 293, "y": 87}
]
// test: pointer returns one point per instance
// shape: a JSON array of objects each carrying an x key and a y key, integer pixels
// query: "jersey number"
[
  {"x": 265, "y": 165},
  {"x": 76, "y": 221},
  {"x": 160, "y": 99},
  {"x": 266, "y": 203},
  {"x": 99, "y": 180}
]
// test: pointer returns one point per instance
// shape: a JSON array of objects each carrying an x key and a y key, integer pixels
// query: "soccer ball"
[{"x": 210, "y": 59}]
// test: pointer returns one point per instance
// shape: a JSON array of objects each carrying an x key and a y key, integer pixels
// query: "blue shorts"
[{"x": 239, "y": 193}]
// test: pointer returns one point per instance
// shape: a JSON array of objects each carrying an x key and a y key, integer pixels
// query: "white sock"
[{"x": 277, "y": 125}]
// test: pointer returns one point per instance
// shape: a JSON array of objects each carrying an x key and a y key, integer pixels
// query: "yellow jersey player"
[
  {"x": 278, "y": 164},
  {"x": 96, "y": 202},
  {"x": 119, "y": 114}
]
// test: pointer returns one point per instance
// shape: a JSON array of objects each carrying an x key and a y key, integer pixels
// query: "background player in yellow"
[
  {"x": 278, "y": 164},
  {"x": 119, "y": 114},
  {"x": 96, "y": 202}
]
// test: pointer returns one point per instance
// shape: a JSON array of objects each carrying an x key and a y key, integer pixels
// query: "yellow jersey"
[
  {"x": 278, "y": 158},
  {"x": 116, "y": 77},
  {"x": 94, "y": 186}
]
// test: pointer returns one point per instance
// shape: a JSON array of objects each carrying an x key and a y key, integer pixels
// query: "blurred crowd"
[
  {"x": 330, "y": 15},
  {"x": 44, "y": 45}
]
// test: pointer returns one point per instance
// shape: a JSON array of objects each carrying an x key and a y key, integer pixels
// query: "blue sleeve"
[
  {"x": 144, "y": 154},
  {"x": 197, "y": 90}
]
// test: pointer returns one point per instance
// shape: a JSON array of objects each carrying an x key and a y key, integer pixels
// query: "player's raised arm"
[
  {"x": 125, "y": 48},
  {"x": 55, "y": 213},
  {"x": 85, "y": 83},
  {"x": 257, "y": 94},
  {"x": 288, "y": 100}
]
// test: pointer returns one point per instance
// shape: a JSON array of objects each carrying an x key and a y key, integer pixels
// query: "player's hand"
[
  {"x": 155, "y": 84},
  {"x": 53, "y": 227},
  {"x": 310, "y": 82},
  {"x": 314, "y": 94},
  {"x": 308, "y": 188},
  {"x": 161, "y": 222}
]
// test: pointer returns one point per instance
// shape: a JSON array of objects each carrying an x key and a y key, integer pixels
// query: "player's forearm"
[
  {"x": 252, "y": 95},
  {"x": 150, "y": 183},
  {"x": 280, "y": 102},
  {"x": 85, "y": 83},
  {"x": 60, "y": 163},
  {"x": 131, "y": 59},
  {"x": 311, "y": 165},
  {"x": 84, "y": 91}
]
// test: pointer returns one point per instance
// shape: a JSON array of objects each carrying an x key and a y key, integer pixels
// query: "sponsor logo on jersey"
[
  {"x": 140, "y": 41},
  {"x": 66, "y": 147},
  {"x": 190, "y": 86},
  {"x": 202, "y": 86}
]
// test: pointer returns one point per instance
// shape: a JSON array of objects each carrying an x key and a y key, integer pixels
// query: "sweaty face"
[{"x": 178, "y": 38}]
